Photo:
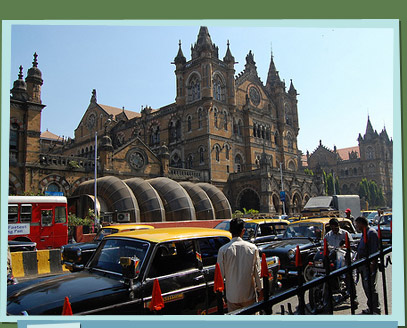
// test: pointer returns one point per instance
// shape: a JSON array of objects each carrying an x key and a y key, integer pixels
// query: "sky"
[{"x": 343, "y": 73}]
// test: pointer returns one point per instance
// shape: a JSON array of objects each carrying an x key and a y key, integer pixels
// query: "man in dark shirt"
[{"x": 364, "y": 250}]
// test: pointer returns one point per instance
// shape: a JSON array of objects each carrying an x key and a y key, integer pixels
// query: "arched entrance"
[
  {"x": 249, "y": 200},
  {"x": 297, "y": 204}
]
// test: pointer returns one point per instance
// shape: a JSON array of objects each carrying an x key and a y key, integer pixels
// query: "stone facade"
[
  {"x": 371, "y": 159},
  {"x": 232, "y": 131}
]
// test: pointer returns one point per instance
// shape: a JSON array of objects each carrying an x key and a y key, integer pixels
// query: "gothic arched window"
[
  {"x": 200, "y": 116},
  {"x": 217, "y": 153},
  {"x": 215, "y": 117},
  {"x": 14, "y": 140},
  {"x": 225, "y": 120},
  {"x": 194, "y": 88},
  {"x": 218, "y": 88},
  {"x": 238, "y": 163},
  {"x": 201, "y": 155},
  {"x": 189, "y": 119}
]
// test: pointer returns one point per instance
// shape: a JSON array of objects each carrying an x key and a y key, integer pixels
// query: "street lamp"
[
  {"x": 282, "y": 194},
  {"x": 96, "y": 172}
]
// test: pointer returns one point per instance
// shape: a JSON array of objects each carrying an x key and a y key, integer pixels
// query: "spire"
[
  {"x": 19, "y": 90},
  {"x": 228, "y": 57},
  {"x": 34, "y": 81},
  {"x": 180, "y": 58},
  {"x": 292, "y": 90},
  {"x": 204, "y": 44},
  {"x": 369, "y": 128},
  {"x": 34, "y": 71},
  {"x": 272, "y": 76}
]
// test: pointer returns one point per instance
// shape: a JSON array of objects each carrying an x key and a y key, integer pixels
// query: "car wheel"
[{"x": 309, "y": 273}]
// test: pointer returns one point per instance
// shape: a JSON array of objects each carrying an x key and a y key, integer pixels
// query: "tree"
[
  {"x": 329, "y": 182},
  {"x": 371, "y": 192}
]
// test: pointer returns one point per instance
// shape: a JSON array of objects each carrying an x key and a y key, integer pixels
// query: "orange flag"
[
  {"x": 157, "y": 302},
  {"x": 67, "y": 310},
  {"x": 218, "y": 285},
  {"x": 298, "y": 261},
  {"x": 264, "y": 268}
]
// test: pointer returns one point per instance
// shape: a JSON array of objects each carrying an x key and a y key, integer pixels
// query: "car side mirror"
[{"x": 130, "y": 267}]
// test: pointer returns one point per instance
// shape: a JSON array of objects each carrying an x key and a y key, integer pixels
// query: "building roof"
[
  {"x": 116, "y": 111},
  {"x": 344, "y": 152},
  {"x": 50, "y": 136}
]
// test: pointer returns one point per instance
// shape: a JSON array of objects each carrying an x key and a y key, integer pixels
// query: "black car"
[
  {"x": 385, "y": 228},
  {"x": 308, "y": 236},
  {"x": 75, "y": 256},
  {"x": 259, "y": 230},
  {"x": 21, "y": 246},
  {"x": 119, "y": 277}
]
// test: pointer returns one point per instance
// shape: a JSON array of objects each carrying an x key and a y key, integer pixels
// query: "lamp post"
[
  {"x": 282, "y": 186},
  {"x": 96, "y": 172}
]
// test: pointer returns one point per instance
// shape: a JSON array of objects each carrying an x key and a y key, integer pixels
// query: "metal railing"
[{"x": 266, "y": 306}]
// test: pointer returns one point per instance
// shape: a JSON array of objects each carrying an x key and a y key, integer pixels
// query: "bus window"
[
  {"x": 25, "y": 213},
  {"x": 60, "y": 214},
  {"x": 46, "y": 218},
  {"x": 12, "y": 213}
]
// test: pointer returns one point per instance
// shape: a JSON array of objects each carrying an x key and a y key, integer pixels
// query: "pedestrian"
[
  {"x": 370, "y": 270},
  {"x": 336, "y": 236},
  {"x": 349, "y": 216},
  {"x": 239, "y": 262}
]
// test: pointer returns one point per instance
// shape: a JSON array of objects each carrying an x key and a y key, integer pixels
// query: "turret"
[
  {"x": 19, "y": 91},
  {"x": 34, "y": 82}
]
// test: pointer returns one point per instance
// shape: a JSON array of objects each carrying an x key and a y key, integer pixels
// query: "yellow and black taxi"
[
  {"x": 119, "y": 277},
  {"x": 308, "y": 234},
  {"x": 75, "y": 256},
  {"x": 261, "y": 229}
]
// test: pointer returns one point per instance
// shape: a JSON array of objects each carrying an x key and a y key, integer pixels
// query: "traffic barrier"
[{"x": 40, "y": 262}]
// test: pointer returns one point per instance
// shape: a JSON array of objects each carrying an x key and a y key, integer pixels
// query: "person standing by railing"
[
  {"x": 239, "y": 263},
  {"x": 369, "y": 244}
]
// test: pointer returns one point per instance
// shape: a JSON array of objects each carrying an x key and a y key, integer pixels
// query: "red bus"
[{"x": 40, "y": 219}]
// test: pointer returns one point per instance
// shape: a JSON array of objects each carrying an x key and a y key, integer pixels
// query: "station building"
[{"x": 225, "y": 129}]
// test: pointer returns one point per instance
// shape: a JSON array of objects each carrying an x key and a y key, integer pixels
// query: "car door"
[
  {"x": 208, "y": 249},
  {"x": 182, "y": 284}
]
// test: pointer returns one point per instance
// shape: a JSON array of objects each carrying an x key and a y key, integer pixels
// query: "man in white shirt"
[
  {"x": 337, "y": 236},
  {"x": 239, "y": 263}
]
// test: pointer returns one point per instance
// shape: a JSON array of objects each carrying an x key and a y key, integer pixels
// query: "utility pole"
[
  {"x": 282, "y": 187},
  {"x": 96, "y": 172}
]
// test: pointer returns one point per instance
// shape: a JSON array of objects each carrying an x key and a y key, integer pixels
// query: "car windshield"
[
  {"x": 104, "y": 232},
  {"x": 304, "y": 230},
  {"x": 371, "y": 215},
  {"x": 109, "y": 252},
  {"x": 385, "y": 220}
]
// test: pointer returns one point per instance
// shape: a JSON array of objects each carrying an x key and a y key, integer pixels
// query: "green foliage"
[
  {"x": 74, "y": 221},
  {"x": 33, "y": 193},
  {"x": 73, "y": 164},
  {"x": 372, "y": 193},
  {"x": 308, "y": 171},
  {"x": 329, "y": 183},
  {"x": 251, "y": 211},
  {"x": 237, "y": 214}
]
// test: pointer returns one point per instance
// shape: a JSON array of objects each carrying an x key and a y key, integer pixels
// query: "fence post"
[
  {"x": 349, "y": 275},
  {"x": 298, "y": 264},
  {"x": 383, "y": 270},
  {"x": 328, "y": 282}
]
